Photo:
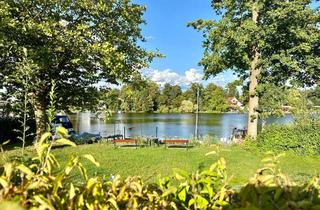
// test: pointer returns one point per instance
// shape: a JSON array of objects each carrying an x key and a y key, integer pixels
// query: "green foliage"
[
  {"x": 271, "y": 189},
  {"x": 214, "y": 99},
  {"x": 143, "y": 95},
  {"x": 272, "y": 41},
  {"x": 200, "y": 190},
  {"x": 75, "y": 43},
  {"x": 34, "y": 185},
  {"x": 286, "y": 36},
  {"x": 301, "y": 138},
  {"x": 302, "y": 107},
  {"x": 314, "y": 95},
  {"x": 186, "y": 106},
  {"x": 232, "y": 88},
  {"x": 272, "y": 100}
]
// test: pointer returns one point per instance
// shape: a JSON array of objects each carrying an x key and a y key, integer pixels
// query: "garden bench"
[
  {"x": 126, "y": 142},
  {"x": 176, "y": 143},
  {"x": 114, "y": 137}
]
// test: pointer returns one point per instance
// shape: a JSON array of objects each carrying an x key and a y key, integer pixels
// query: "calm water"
[{"x": 165, "y": 125}]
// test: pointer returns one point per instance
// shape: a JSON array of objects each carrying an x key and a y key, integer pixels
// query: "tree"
[
  {"x": 191, "y": 93},
  {"x": 265, "y": 40},
  {"x": 111, "y": 99},
  {"x": 186, "y": 106},
  {"x": 215, "y": 99},
  {"x": 232, "y": 88},
  {"x": 171, "y": 96},
  {"x": 314, "y": 95},
  {"x": 301, "y": 107},
  {"x": 272, "y": 101},
  {"x": 75, "y": 43}
]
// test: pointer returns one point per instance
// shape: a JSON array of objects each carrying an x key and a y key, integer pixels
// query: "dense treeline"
[{"x": 147, "y": 96}]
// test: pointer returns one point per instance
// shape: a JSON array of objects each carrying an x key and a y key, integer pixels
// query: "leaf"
[
  {"x": 44, "y": 137},
  {"x": 3, "y": 182},
  {"x": 83, "y": 171},
  {"x": 6, "y": 142},
  {"x": 90, "y": 183},
  {"x": 25, "y": 51},
  {"x": 8, "y": 167},
  {"x": 45, "y": 204},
  {"x": 64, "y": 141},
  {"x": 113, "y": 202},
  {"x": 278, "y": 194},
  {"x": 169, "y": 191},
  {"x": 25, "y": 170},
  {"x": 72, "y": 192},
  {"x": 202, "y": 202},
  {"x": 92, "y": 159},
  {"x": 182, "y": 194},
  {"x": 191, "y": 202},
  {"x": 211, "y": 153},
  {"x": 61, "y": 131},
  {"x": 80, "y": 200}
]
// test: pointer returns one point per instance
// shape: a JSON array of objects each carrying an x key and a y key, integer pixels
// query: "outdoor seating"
[
  {"x": 176, "y": 143},
  {"x": 126, "y": 142}
]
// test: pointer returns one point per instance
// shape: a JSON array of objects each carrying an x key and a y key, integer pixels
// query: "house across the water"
[{"x": 235, "y": 104}]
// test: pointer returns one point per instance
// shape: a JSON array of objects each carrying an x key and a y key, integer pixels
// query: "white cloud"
[
  {"x": 189, "y": 76},
  {"x": 193, "y": 76},
  {"x": 162, "y": 77}
]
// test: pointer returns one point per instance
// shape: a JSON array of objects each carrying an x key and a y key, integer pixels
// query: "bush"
[{"x": 301, "y": 138}]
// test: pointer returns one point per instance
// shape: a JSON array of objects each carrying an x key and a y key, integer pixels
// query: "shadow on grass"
[{"x": 180, "y": 146}]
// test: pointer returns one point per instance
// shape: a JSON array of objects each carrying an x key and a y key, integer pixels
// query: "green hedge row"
[{"x": 301, "y": 138}]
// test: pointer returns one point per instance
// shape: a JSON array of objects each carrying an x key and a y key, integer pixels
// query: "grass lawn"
[{"x": 149, "y": 163}]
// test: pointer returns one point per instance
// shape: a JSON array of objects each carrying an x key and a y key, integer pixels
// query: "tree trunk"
[
  {"x": 253, "y": 97},
  {"x": 40, "y": 114}
]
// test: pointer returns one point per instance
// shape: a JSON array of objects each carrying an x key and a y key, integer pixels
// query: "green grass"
[{"x": 149, "y": 163}]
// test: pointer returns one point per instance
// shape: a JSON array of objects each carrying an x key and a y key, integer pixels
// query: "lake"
[{"x": 165, "y": 125}]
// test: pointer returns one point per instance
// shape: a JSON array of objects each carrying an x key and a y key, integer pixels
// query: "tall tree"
[
  {"x": 314, "y": 95},
  {"x": 191, "y": 93},
  {"x": 263, "y": 40},
  {"x": 75, "y": 43},
  {"x": 214, "y": 99},
  {"x": 171, "y": 96},
  {"x": 232, "y": 88}
]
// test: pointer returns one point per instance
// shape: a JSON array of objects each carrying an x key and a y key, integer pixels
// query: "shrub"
[{"x": 301, "y": 138}]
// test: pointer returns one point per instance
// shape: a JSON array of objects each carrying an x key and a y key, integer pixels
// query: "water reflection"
[{"x": 165, "y": 125}]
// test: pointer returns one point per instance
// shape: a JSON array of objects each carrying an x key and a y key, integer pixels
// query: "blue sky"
[{"x": 167, "y": 31}]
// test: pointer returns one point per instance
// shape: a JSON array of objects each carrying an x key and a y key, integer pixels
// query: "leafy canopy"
[
  {"x": 287, "y": 37},
  {"x": 76, "y": 43}
]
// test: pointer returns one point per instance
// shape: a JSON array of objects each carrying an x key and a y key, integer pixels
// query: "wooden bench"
[
  {"x": 127, "y": 142},
  {"x": 177, "y": 143},
  {"x": 114, "y": 137}
]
